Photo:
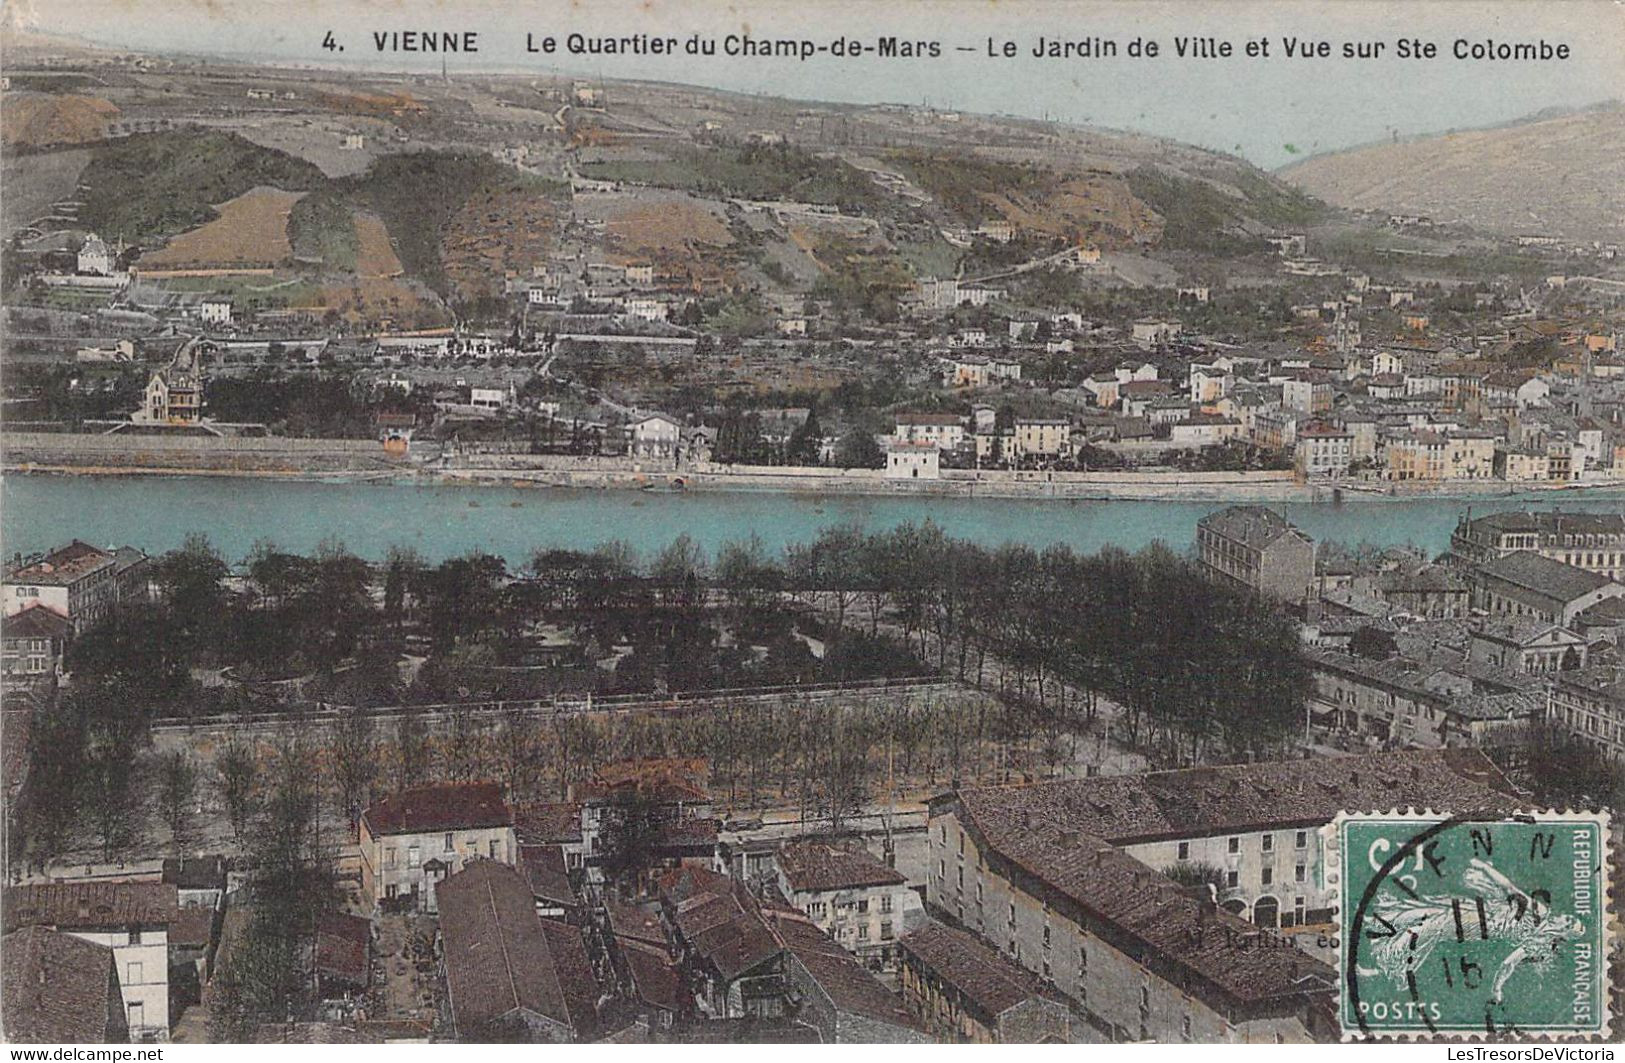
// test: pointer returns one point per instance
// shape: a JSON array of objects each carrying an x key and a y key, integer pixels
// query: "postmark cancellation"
[{"x": 1488, "y": 925}]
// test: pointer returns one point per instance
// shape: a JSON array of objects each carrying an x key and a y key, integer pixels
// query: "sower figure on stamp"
[{"x": 1494, "y": 909}]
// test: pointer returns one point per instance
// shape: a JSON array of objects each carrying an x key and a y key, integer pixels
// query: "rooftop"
[
  {"x": 90, "y": 905},
  {"x": 58, "y": 989},
  {"x": 1236, "y": 798},
  {"x": 850, "y": 987},
  {"x": 437, "y": 808},
  {"x": 819, "y": 865},
  {"x": 1255, "y": 526},
  {"x": 989, "y": 980},
  {"x": 501, "y": 957},
  {"x": 63, "y": 566},
  {"x": 1209, "y": 948},
  {"x": 1534, "y": 572},
  {"x": 37, "y": 622}
]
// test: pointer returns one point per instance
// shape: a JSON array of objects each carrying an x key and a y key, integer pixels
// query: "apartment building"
[{"x": 413, "y": 839}]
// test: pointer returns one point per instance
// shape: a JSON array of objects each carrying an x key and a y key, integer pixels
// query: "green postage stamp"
[{"x": 1493, "y": 925}]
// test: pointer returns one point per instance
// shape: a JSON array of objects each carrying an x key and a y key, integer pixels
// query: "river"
[{"x": 156, "y": 513}]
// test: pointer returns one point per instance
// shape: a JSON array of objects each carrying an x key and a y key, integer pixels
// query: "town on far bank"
[
  {"x": 559, "y": 281},
  {"x": 799, "y": 797}
]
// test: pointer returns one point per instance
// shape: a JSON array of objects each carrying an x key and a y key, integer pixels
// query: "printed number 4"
[{"x": 331, "y": 44}]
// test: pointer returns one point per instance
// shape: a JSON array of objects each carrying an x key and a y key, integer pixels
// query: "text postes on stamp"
[{"x": 1489, "y": 925}]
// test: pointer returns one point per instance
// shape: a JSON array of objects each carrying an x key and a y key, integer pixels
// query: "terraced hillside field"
[{"x": 250, "y": 232}]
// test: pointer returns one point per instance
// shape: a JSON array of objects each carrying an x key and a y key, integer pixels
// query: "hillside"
[
  {"x": 40, "y": 119},
  {"x": 1562, "y": 175}
]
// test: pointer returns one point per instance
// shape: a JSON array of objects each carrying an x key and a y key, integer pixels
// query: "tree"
[
  {"x": 193, "y": 583},
  {"x": 177, "y": 791},
  {"x": 1373, "y": 643},
  {"x": 805, "y": 442},
  {"x": 238, "y": 770},
  {"x": 632, "y": 824},
  {"x": 858, "y": 449},
  {"x": 355, "y": 759},
  {"x": 412, "y": 749},
  {"x": 109, "y": 786},
  {"x": 1197, "y": 874}
]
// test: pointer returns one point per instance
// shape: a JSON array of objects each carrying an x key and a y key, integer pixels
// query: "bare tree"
[
  {"x": 355, "y": 760},
  {"x": 177, "y": 792},
  {"x": 238, "y": 771}
]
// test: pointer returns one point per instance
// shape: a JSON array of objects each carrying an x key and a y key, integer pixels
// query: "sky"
[{"x": 1269, "y": 110}]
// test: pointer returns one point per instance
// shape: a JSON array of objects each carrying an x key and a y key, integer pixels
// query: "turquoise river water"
[{"x": 156, "y": 513}]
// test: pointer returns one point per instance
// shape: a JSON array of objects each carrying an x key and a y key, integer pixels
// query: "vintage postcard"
[{"x": 665, "y": 522}]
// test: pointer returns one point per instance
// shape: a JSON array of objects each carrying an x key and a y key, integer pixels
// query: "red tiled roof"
[
  {"x": 36, "y": 622},
  {"x": 850, "y": 987},
  {"x": 819, "y": 865},
  {"x": 990, "y": 981},
  {"x": 63, "y": 566},
  {"x": 58, "y": 989},
  {"x": 90, "y": 905},
  {"x": 436, "y": 808},
  {"x": 543, "y": 824},
  {"x": 719, "y": 920},
  {"x": 655, "y": 977},
  {"x": 343, "y": 944},
  {"x": 191, "y": 927},
  {"x": 500, "y": 957}
]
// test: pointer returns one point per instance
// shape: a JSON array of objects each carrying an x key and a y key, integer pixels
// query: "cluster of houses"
[
  {"x": 1043, "y": 913},
  {"x": 1521, "y": 623},
  {"x": 1403, "y": 414}
]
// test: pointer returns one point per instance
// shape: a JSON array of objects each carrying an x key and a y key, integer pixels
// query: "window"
[
  {"x": 1012, "y": 915},
  {"x": 863, "y": 906},
  {"x": 885, "y": 902},
  {"x": 1232, "y": 879},
  {"x": 961, "y": 841},
  {"x": 414, "y": 857},
  {"x": 1046, "y": 940},
  {"x": 863, "y": 931},
  {"x": 960, "y": 874},
  {"x": 1267, "y": 843},
  {"x": 496, "y": 849},
  {"x": 1145, "y": 998},
  {"x": 1184, "y": 850},
  {"x": 1303, "y": 839},
  {"x": 1047, "y": 977},
  {"x": 885, "y": 930},
  {"x": 449, "y": 845},
  {"x": 135, "y": 935},
  {"x": 942, "y": 869},
  {"x": 1300, "y": 873},
  {"x": 389, "y": 891},
  {"x": 138, "y": 1016},
  {"x": 389, "y": 857},
  {"x": 132, "y": 973},
  {"x": 1234, "y": 845},
  {"x": 1185, "y": 1027},
  {"x": 1266, "y": 875}
]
